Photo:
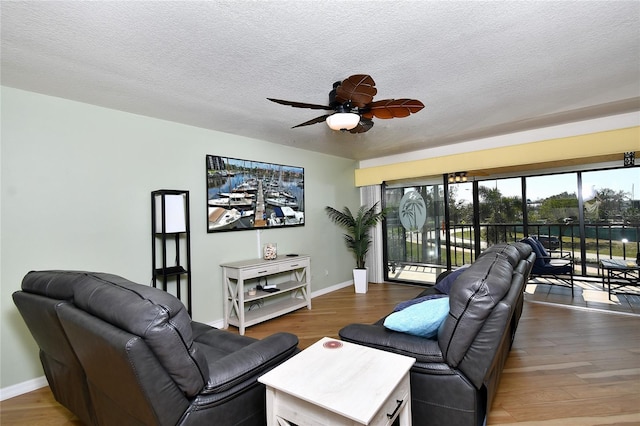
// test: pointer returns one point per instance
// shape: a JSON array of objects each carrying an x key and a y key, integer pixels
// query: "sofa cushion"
[
  {"x": 156, "y": 316},
  {"x": 421, "y": 319},
  {"x": 54, "y": 284},
  {"x": 524, "y": 249},
  {"x": 511, "y": 253},
  {"x": 248, "y": 361},
  {"x": 485, "y": 283},
  {"x": 403, "y": 305},
  {"x": 379, "y": 337},
  {"x": 444, "y": 285}
]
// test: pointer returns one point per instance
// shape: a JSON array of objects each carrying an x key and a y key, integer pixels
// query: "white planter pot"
[{"x": 360, "y": 281}]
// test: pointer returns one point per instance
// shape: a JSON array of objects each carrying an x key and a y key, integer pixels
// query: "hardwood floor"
[{"x": 567, "y": 366}]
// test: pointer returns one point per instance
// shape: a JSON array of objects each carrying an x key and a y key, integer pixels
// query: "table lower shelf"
[
  {"x": 269, "y": 311},
  {"x": 284, "y": 287}
]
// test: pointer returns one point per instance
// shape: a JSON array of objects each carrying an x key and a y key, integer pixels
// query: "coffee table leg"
[
  {"x": 271, "y": 416},
  {"x": 405, "y": 414}
]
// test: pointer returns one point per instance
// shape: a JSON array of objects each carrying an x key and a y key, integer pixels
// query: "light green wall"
[{"x": 76, "y": 182}]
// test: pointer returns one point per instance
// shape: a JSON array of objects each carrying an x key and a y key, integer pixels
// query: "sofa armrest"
[
  {"x": 560, "y": 254},
  {"x": 250, "y": 361},
  {"x": 559, "y": 261},
  {"x": 378, "y": 337}
]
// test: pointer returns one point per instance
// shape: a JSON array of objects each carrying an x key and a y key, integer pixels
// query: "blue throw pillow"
[
  {"x": 421, "y": 319},
  {"x": 402, "y": 305},
  {"x": 444, "y": 285}
]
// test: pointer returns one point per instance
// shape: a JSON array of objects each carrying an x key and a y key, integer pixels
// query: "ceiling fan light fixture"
[
  {"x": 343, "y": 120},
  {"x": 352, "y": 106}
]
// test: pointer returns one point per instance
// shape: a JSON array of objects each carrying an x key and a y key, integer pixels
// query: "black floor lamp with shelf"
[{"x": 170, "y": 235}]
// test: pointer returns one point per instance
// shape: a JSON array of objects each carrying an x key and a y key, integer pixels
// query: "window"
[
  {"x": 500, "y": 210},
  {"x": 611, "y": 208},
  {"x": 414, "y": 243},
  {"x": 420, "y": 241}
]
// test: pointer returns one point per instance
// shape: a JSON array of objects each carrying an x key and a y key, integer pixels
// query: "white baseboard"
[
  {"x": 331, "y": 289},
  {"x": 40, "y": 382},
  {"x": 217, "y": 324},
  {"x": 24, "y": 387}
]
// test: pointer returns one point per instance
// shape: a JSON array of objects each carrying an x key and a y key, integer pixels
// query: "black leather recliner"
[
  {"x": 66, "y": 377},
  {"x": 456, "y": 375},
  {"x": 116, "y": 352}
]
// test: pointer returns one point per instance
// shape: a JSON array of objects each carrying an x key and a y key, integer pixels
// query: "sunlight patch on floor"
[{"x": 586, "y": 294}]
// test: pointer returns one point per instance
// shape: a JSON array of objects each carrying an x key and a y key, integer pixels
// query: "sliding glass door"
[
  {"x": 460, "y": 226},
  {"x": 593, "y": 215},
  {"x": 415, "y": 240}
]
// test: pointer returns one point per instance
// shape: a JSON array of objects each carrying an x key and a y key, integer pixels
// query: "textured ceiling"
[{"x": 481, "y": 68}]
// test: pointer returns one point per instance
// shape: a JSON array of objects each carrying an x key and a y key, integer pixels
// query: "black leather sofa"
[
  {"x": 456, "y": 374},
  {"x": 115, "y": 352}
]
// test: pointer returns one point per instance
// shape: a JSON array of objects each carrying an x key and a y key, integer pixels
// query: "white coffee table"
[{"x": 339, "y": 383}]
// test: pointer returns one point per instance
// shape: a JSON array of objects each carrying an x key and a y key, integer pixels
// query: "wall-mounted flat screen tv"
[{"x": 247, "y": 194}]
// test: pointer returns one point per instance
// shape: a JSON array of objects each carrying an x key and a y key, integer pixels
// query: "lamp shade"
[
  {"x": 343, "y": 120},
  {"x": 175, "y": 212}
]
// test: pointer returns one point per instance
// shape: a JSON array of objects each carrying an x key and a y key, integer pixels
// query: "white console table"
[{"x": 291, "y": 295}]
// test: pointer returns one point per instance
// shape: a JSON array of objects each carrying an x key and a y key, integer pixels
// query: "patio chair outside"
[{"x": 556, "y": 268}]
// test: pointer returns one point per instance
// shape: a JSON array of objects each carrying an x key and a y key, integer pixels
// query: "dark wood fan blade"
[
  {"x": 313, "y": 121},
  {"x": 359, "y": 89},
  {"x": 300, "y": 104},
  {"x": 364, "y": 125},
  {"x": 393, "y": 108}
]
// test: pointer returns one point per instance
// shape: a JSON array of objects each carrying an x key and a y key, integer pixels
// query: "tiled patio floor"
[{"x": 586, "y": 294}]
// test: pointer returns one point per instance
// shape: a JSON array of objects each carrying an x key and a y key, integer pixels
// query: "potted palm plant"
[{"x": 357, "y": 236}]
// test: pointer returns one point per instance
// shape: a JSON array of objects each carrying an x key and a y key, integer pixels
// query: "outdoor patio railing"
[{"x": 601, "y": 241}]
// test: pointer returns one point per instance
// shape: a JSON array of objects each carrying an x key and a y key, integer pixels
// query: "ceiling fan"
[{"x": 353, "y": 108}]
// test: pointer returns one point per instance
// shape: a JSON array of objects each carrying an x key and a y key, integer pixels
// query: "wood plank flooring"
[{"x": 567, "y": 366}]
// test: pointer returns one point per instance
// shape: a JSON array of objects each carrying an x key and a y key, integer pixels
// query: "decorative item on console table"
[
  {"x": 270, "y": 251},
  {"x": 357, "y": 237}
]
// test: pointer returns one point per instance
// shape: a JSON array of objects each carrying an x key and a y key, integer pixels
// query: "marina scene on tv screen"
[{"x": 247, "y": 194}]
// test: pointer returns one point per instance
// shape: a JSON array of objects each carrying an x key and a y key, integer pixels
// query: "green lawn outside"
[
  {"x": 462, "y": 255},
  {"x": 617, "y": 249}
]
